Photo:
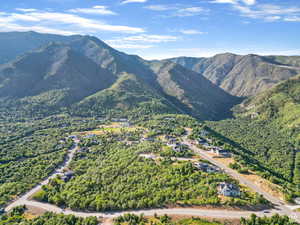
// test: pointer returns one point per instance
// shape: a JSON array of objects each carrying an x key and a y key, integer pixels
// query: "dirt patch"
[
  {"x": 33, "y": 212},
  {"x": 264, "y": 184}
]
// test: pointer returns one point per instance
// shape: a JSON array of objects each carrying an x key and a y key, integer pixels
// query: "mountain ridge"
[
  {"x": 63, "y": 74},
  {"x": 245, "y": 75}
]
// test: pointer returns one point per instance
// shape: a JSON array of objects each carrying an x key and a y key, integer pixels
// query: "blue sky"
[{"x": 166, "y": 28}]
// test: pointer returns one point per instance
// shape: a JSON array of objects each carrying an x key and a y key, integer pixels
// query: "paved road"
[
  {"x": 23, "y": 200},
  {"x": 280, "y": 207}
]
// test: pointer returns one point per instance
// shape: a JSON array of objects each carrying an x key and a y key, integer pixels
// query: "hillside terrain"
[
  {"x": 267, "y": 125},
  {"x": 82, "y": 75},
  {"x": 243, "y": 75}
]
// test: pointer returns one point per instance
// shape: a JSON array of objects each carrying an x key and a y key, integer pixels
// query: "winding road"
[{"x": 279, "y": 208}]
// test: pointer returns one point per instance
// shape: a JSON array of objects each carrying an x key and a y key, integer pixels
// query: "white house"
[{"x": 229, "y": 190}]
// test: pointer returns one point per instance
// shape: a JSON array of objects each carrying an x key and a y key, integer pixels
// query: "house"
[
  {"x": 220, "y": 151},
  {"x": 172, "y": 141},
  {"x": 89, "y": 136},
  {"x": 204, "y": 133},
  {"x": 228, "y": 190},
  {"x": 178, "y": 147},
  {"x": 84, "y": 149},
  {"x": 147, "y": 139},
  {"x": 125, "y": 124},
  {"x": 206, "y": 167},
  {"x": 297, "y": 201},
  {"x": 201, "y": 141},
  {"x": 67, "y": 176},
  {"x": 72, "y": 136}
]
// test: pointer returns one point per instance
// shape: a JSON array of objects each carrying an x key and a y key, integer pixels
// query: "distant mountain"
[
  {"x": 243, "y": 75},
  {"x": 193, "y": 92},
  {"x": 13, "y": 44},
  {"x": 84, "y": 75},
  {"x": 53, "y": 76}
]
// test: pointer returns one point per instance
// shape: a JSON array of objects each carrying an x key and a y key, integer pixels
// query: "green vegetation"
[
  {"x": 30, "y": 150},
  {"x": 17, "y": 217},
  {"x": 265, "y": 134},
  {"x": 129, "y": 96},
  {"x": 112, "y": 176},
  {"x": 131, "y": 219},
  {"x": 276, "y": 219}
]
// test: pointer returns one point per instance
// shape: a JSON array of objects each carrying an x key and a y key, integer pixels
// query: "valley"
[
  {"x": 91, "y": 139},
  {"x": 92, "y": 134}
]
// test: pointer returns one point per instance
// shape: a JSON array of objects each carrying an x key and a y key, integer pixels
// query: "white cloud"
[
  {"x": 191, "y": 32},
  {"x": 99, "y": 9},
  {"x": 292, "y": 19},
  {"x": 151, "y": 38},
  {"x": 5, "y": 27},
  {"x": 191, "y": 11},
  {"x": 225, "y": 1},
  {"x": 247, "y": 2},
  {"x": 127, "y": 46},
  {"x": 178, "y": 10},
  {"x": 25, "y": 10},
  {"x": 143, "y": 41},
  {"x": 134, "y": 1},
  {"x": 61, "y": 21},
  {"x": 268, "y": 12},
  {"x": 160, "y": 7}
]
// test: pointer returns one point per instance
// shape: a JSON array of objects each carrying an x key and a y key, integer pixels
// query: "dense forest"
[
  {"x": 131, "y": 219},
  {"x": 265, "y": 135},
  {"x": 108, "y": 177},
  {"x": 30, "y": 150}
]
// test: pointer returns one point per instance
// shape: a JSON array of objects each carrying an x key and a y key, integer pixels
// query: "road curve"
[
  {"x": 23, "y": 200},
  {"x": 214, "y": 213}
]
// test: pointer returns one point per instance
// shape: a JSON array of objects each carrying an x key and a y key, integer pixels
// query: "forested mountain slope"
[
  {"x": 197, "y": 94},
  {"x": 243, "y": 75},
  {"x": 81, "y": 71},
  {"x": 268, "y": 127},
  {"x": 13, "y": 44}
]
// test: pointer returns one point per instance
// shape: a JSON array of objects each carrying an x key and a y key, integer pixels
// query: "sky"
[{"x": 157, "y": 29}]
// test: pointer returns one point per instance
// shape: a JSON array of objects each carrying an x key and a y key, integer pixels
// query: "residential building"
[{"x": 228, "y": 190}]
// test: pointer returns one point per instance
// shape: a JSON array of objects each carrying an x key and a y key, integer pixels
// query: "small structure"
[
  {"x": 228, "y": 190},
  {"x": 220, "y": 151},
  {"x": 172, "y": 141},
  {"x": 2, "y": 211},
  {"x": 178, "y": 147},
  {"x": 206, "y": 167},
  {"x": 83, "y": 149},
  {"x": 90, "y": 136},
  {"x": 72, "y": 136},
  {"x": 202, "y": 141},
  {"x": 204, "y": 133},
  {"x": 125, "y": 124},
  {"x": 297, "y": 201},
  {"x": 147, "y": 139},
  {"x": 67, "y": 176}
]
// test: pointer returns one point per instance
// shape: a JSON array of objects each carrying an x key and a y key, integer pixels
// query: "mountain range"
[
  {"x": 42, "y": 74},
  {"x": 243, "y": 75}
]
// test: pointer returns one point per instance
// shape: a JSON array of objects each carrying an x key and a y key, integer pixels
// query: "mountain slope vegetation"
[
  {"x": 245, "y": 75},
  {"x": 84, "y": 74},
  {"x": 268, "y": 127}
]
